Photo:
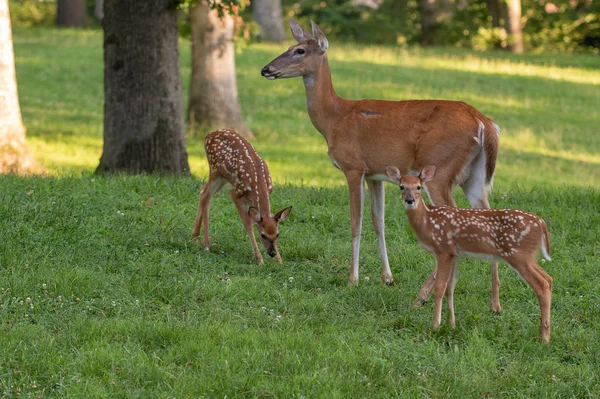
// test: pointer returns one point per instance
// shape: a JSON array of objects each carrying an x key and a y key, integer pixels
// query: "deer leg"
[
  {"x": 240, "y": 205},
  {"x": 377, "y": 191},
  {"x": 212, "y": 186},
  {"x": 438, "y": 195},
  {"x": 444, "y": 269},
  {"x": 476, "y": 192},
  {"x": 541, "y": 283},
  {"x": 356, "y": 187},
  {"x": 450, "y": 291}
]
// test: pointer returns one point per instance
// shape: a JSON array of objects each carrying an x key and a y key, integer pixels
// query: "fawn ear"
[
  {"x": 427, "y": 173},
  {"x": 254, "y": 214},
  {"x": 282, "y": 214},
  {"x": 320, "y": 36},
  {"x": 393, "y": 173},
  {"x": 298, "y": 32}
]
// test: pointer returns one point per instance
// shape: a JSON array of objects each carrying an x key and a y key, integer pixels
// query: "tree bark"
[
  {"x": 99, "y": 9},
  {"x": 15, "y": 156},
  {"x": 428, "y": 9},
  {"x": 213, "y": 99},
  {"x": 71, "y": 13},
  {"x": 143, "y": 112},
  {"x": 514, "y": 29},
  {"x": 494, "y": 10},
  {"x": 268, "y": 15}
]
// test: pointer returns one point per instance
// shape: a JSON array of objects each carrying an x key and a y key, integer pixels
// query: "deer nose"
[
  {"x": 272, "y": 252},
  {"x": 409, "y": 201},
  {"x": 264, "y": 71}
]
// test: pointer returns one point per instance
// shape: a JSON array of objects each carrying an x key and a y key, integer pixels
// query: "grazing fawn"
[
  {"x": 232, "y": 159},
  {"x": 366, "y": 135},
  {"x": 449, "y": 233}
]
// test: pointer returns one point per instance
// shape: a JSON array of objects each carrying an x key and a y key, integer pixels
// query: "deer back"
[
  {"x": 233, "y": 158},
  {"x": 492, "y": 232}
]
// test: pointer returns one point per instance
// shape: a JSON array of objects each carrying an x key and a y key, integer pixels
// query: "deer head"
[
  {"x": 268, "y": 227},
  {"x": 301, "y": 59},
  {"x": 410, "y": 186}
]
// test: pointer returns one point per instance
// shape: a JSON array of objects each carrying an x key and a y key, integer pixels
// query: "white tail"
[
  {"x": 448, "y": 233},
  {"x": 364, "y": 136},
  {"x": 232, "y": 159}
]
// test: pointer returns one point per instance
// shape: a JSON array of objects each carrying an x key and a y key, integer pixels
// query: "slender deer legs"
[
  {"x": 377, "y": 191},
  {"x": 439, "y": 194},
  {"x": 444, "y": 271},
  {"x": 240, "y": 205},
  {"x": 450, "y": 291},
  {"x": 212, "y": 186},
  {"x": 356, "y": 186},
  {"x": 541, "y": 282}
]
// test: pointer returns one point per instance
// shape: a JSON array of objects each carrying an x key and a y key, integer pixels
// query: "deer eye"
[
  {"x": 263, "y": 236},
  {"x": 300, "y": 51},
  {"x": 277, "y": 235},
  {"x": 401, "y": 187},
  {"x": 419, "y": 188}
]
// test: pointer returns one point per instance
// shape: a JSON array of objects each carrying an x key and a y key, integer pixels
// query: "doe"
[
  {"x": 449, "y": 233},
  {"x": 232, "y": 159}
]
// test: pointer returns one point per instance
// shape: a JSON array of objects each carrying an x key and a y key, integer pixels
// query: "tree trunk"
[
  {"x": 15, "y": 156},
  {"x": 143, "y": 114},
  {"x": 99, "y": 9},
  {"x": 514, "y": 29},
  {"x": 214, "y": 99},
  {"x": 71, "y": 13},
  {"x": 495, "y": 10},
  {"x": 268, "y": 15},
  {"x": 428, "y": 9}
]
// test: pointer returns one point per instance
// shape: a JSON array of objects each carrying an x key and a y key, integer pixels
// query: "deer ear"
[
  {"x": 393, "y": 173},
  {"x": 254, "y": 214},
  {"x": 427, "y": 173},
  {"x": 282, "y": 214},
  {"x": 298, "y": 32},
  {"x": 319, "y": 36}
]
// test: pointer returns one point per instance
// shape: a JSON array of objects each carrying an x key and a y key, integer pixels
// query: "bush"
[{"x": 32, "y": 12}]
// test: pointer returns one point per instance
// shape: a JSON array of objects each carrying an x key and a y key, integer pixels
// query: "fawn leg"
[
  {"x": 444, "y": 269},
  {"x": 377, "y": 191},
  {"x": 212, "y": 186},
  {"x": 541, "y": 283},
  {"x": 240, "y": 204},
  {"x": 450, "y": 291},
  {"x": 439, "y": 194}
]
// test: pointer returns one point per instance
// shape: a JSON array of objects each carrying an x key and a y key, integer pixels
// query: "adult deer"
[
  {"x": 364, "y": 136},
  {"x": 232, "y": 159},
  {"x": 449, "y": 233}
]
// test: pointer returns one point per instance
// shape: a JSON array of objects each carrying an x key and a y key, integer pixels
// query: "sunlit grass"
[
  {"x": 548, "y": 106},
  {"x": 103, "y": 293}
]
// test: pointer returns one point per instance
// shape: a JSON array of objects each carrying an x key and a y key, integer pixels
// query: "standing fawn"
[
  {"x": 364, "y": 136},
  {"x": 449, "y": 233},
  {"x": 232, "y": 159}
]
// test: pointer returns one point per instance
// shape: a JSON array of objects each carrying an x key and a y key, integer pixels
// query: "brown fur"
[
  {"x": 232, "y": 159},
  {"x": 448, "y": 233},
  {"x": 364, "y": 136}
]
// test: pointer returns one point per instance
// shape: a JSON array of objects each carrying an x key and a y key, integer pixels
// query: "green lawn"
[{"x": 103, "y": 293}]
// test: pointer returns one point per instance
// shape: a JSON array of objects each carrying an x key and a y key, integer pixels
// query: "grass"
[{"x": 103, "y": 294}]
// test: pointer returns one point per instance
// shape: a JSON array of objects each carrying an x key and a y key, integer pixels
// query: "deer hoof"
[
  {"x": 419, "y": 303},
  {"x": 388, "y": 283}
]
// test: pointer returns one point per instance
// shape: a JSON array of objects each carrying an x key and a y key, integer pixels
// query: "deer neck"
[
  {"x": 324, "y": 105},
  {"x": 258, "y": 197},
  {"x": 419, "y": 219}
]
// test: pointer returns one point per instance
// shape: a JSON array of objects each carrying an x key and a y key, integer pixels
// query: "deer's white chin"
[{"x": 271, "y": 77}]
